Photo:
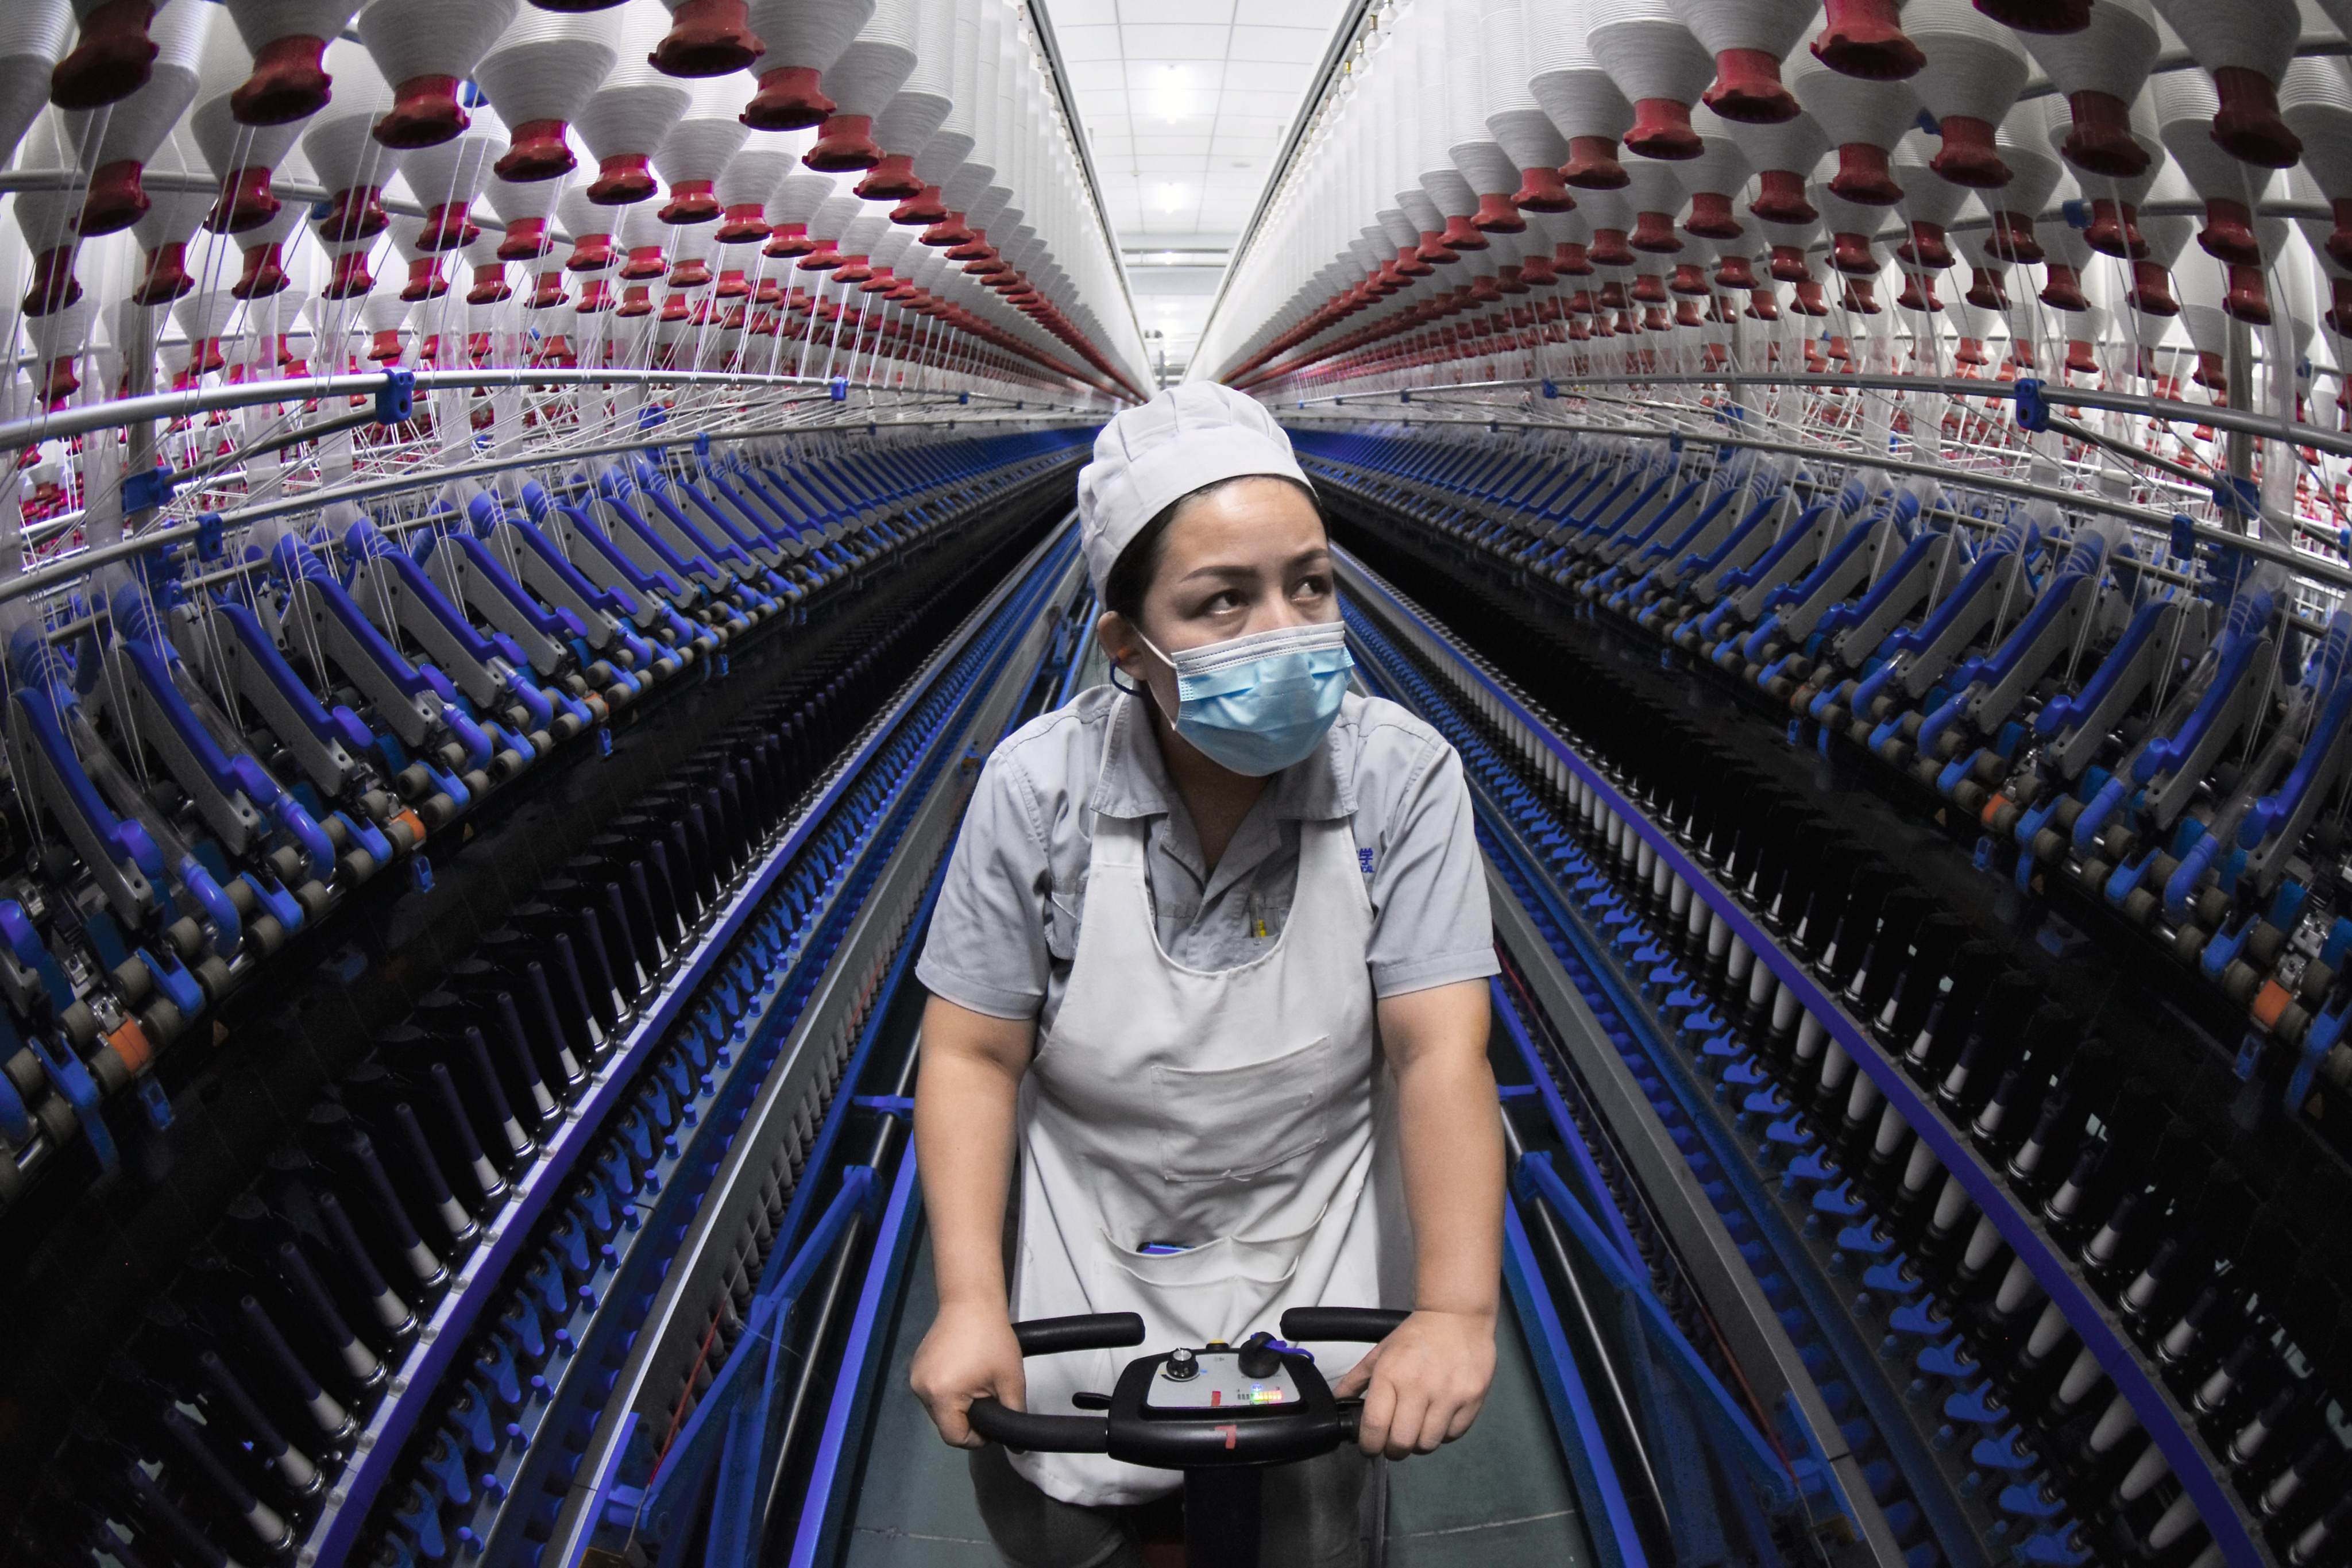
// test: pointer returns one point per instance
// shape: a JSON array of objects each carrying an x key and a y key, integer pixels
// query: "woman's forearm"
[
  {"x": 1450, "y": 1138},
  {"x": 965, "y": 1099}
]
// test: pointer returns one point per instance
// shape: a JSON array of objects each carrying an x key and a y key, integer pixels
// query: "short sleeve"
[
  {"x": 1431, "y": 923},
  {"x": 986, "y": 949}
]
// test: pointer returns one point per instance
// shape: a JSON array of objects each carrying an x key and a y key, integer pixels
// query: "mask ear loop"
[{"x": 1138, "y": 689}]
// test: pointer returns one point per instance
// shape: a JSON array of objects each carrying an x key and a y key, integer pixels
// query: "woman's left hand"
[{"x": 1424, "y": 1385}]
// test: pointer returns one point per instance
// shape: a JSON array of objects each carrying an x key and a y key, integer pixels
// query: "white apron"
[{"x": 1232, "y": 1113}]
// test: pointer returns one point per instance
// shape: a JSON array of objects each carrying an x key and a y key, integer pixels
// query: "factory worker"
[{"x": 1209, "y": 971}]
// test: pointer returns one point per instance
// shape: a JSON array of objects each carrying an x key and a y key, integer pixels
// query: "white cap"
[{"x": 1191, "y": 434}]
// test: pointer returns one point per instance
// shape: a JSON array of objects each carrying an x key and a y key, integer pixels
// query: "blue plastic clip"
[
  {"x": 604, "y": 742},
  {"x": 2184, "y": 537},
  {"x": 146, "y": 491},
  {"x": 702, "y": 445},
  {"x": 208, "y": 536},
  {"x": 2032, "y": 413},
  {"x": 72, "y": 1081},
  {"x": 2250, "y": 1055},
  {"x": 838, "y": 389},
  {"x": 1549, "y": 389},
  {"x": 395, "y": 400},
  {"x": 1405, "y": 396},
  {"x": 649, "y": 416},
  {"x": 963, "y": 399},
  {"x": 2236, "y": 496},
  {"x": 157, "y": 1103},
  {"x": 2077, "y": 213},
  {"x": 420, "y": 872}
]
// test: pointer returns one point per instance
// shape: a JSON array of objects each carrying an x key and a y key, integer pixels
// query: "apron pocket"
[
  {"x": 1220, "y": 1124},
  {"x": 1214, "y": 1291}
]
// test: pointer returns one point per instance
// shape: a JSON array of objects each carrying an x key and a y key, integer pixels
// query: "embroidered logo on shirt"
[{"x": 1364, "y": 861}]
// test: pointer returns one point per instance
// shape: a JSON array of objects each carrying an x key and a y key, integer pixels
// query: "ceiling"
[{"x": 1185, "y": 109}]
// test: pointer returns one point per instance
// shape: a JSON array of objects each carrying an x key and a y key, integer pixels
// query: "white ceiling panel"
[
  {"x": 1185, "y": 104},
  {"x": 1087, "y": 44}
]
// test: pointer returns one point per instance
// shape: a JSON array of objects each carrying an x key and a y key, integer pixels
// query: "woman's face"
[{"x": 1250, "y": 556}]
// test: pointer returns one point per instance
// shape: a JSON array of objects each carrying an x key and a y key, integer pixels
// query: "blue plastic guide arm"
[
  {"x": 689, "y": 1453},
  {"x": 1747, "y": 1448},
  {"x": 1608, "y": 1517},
  {"x": 852, "y": 1404}
]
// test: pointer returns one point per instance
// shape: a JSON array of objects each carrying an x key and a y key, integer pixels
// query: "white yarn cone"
[
  {"x": 1928, "y": 205},
  {"x": 405, "y": 231},
  {"x": 1853, "y": 227},
  {"x": 1784, "y": 156},
  {"x": 631, "y": 109},
  {"x": 382, "y": 315},
  {"x": 1974, "y": 72},
  {"x": 796, "y": 201},
  {"x": 349, "y": 269},
  {"x": 1658, "y": 66},
  {"x": 2315, "y": 98},
  {"x": 1575, "y": 91},
  {"x": 1514, "y": 120},
  {"x": 919, "y": 106},
  {"x": 114, "y": 144},
  {"x": 1716, "y": 176},
  {"x": 1862, "y": 119},
  {"x": 1492, "y": 174},
  {"x": 242, "y": 157},
  {"x": 539, "y": 75},
  {"x": 861, "y": 83},
  {"x": 448, "y": 175},
  {"x": 341, "y": 144},
  {"x": 215, "y": 317},
  {"x": 825, "y": 225},
  {"x": 526, "y": 207},
  {"x": 2100, "y": 70},
  {"x": 2245, "y": 47},
  {"x": 34, "y": 35},
  {"x": 171, "y": 220},
  {"x": 2116, "y": 200},
  {"x": 645, "y": 242},
  {"x": 2203, "y": 292},
  {"x": 858, "y": 238},
  {"x": 288, "y": 40},
  {"x": 746, "y": 187},
  {"x": 696, "y": 149},
  {"x": 1747, "y": 39},
  {"x": 2068, "y": 263},
  {"x": 2184, "y": 104},
  {"x": 48, "y": 219},
  {"x": 589, "y": 226},
  {"x": 2033, "y": 174},
  {"x": 271, "y": 249},
  {"x": 2335, "y": 305},
  {"x": 425, "y": 48},
  {"x": 952, "y": 143},
  {"x": 804, "y": 38}
]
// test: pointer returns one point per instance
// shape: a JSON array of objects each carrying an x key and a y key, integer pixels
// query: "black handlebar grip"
[
  {"x": 1364, "y": 1325},
  {"x": 1086, "y": 1331},
  {"x": 1039, "y": 1434}
]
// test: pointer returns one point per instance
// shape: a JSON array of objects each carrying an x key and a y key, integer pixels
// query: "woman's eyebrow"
[{"x": 1232, "y": 571}]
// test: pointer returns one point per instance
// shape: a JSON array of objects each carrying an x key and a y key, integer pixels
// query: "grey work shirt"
[{"x": 1006, "y": 928}]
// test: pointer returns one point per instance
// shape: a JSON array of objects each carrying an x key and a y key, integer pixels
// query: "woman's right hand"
[{"x": 969, "y": 1352}]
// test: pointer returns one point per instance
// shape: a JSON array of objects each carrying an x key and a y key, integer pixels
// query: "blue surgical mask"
[{"x": 1258, "y": 703}]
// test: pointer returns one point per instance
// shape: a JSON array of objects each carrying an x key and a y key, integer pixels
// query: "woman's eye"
[
  {"x": 1312, "y": 587},
  {"x": 1219, "y": 604}
]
